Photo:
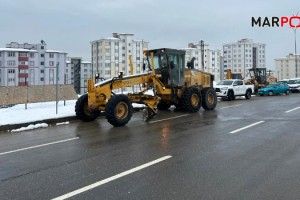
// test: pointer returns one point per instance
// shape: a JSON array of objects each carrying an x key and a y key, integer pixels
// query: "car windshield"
[
  {"x": 282, "y": 81},
  {"x": 291, "y": 82},
  {"x": 294, "y": 82},
  {"x": 225, "y": 83}
]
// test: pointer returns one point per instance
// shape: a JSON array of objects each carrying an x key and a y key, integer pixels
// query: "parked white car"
[
  {"x": 230, "y": 88},
  {"x": 294, "y": 84}
]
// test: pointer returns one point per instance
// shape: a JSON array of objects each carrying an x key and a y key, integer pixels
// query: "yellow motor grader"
[{"x": 165, "y": 73}]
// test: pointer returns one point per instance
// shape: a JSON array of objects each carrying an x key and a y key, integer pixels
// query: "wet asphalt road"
[{"x": 245, "y": 149}]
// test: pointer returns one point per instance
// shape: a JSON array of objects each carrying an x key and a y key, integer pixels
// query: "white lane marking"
[
  {"x": 292, "y": 110},
  {"x": 107, "y": 180},
  {"x": 230, "y": 106},
  {"x": 41, "y": 145},
  {"x": 169, "y": 118},
  {"x": 243, "y": 128}
]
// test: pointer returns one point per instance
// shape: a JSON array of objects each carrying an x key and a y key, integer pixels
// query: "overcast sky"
[{"x": 70, "y": 25}]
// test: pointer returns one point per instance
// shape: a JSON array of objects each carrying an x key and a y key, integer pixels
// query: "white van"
[{"x": 294, "y": 84}]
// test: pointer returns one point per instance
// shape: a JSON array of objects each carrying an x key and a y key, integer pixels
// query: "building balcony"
[
  {"x": 23, "y": 75},
  {"x": 23, "y": 58},
  {"x": 23, "y": 66}
]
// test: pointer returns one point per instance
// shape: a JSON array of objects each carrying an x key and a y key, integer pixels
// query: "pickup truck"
[{"x": 230, "y": 88}]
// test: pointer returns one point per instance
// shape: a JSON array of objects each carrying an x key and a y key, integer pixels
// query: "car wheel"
[
  {"x": 230, "y": 96},
  {"x": 287, "y": 92},
  {"x": 271, "y": 93},
  {"x": 248, "y": 94}
]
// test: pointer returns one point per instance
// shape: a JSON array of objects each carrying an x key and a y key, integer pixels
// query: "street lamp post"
[
  {"x": 296, "y": 66},
  {"x": 295, "y": 33}
]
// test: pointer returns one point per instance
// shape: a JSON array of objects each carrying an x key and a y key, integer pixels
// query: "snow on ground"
[
  {"x": 40, "y": 111},
  {"x": 35, "y": 112},
  {"x": 30, "y": 127},
  {"x": 62, "y": 123}
]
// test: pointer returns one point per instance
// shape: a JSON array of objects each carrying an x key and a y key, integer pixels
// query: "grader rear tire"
[
  {"x": 118, "y": 110},
  {"x": 82, "y": 110},
  {"x": 209, "y": 98},
  {"x": 192, "y": 99}
]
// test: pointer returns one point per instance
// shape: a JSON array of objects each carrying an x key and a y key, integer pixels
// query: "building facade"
[
  {"x": 286, "y": 67},
  {"x": 31, "y": 64},
  {"x": 244, "y": 55},
  {"x": 211, "y": 59},
  {"x": 111, "y": 55},
  {"x": 77, "y": 73}
]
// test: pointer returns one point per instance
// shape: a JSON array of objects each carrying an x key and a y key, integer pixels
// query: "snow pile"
[
  {"x": 62, "y": 123},
  {"x": 30, "y": 127}
]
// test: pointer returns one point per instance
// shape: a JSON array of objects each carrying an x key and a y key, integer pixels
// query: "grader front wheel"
[
  {"x": 118, "y": 110},
  {"x": 82, "y": 110}
]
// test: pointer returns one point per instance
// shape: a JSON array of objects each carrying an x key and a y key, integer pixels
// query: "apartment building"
[
  {"x": 77, "y": 73},
  {"x": 244, "y": 55},
  {"x": 111, "y": 55},
  {"x": 286, "y": 67},
  {"x": 211, "y": 59},
  {"x": 31, "y": 64}
]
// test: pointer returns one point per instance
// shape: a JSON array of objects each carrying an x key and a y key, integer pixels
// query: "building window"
[
  {"x": 31, "y": 55},
  {"x": 11, "y": 71},
  {"x": 42, "y": 47},
  {"x": 51, "y": 63},
  {"x": 42, "y": 63},
  {"x": 107, "y": 50},
  {"x": 31, "y": 63},
  {"x": 11, "y": 80},
  {"x": 42, "y": 71},
  {"x": 42, "y": 79},
  {"x": 11, "y": 63},
  {"x": 42, "y": 55},
  {"x": 51, "y": 55},
  {"x": 11, "y": 54},
  {"x": 22, "y": 54}
]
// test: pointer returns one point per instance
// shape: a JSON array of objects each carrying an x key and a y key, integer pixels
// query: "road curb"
[{"x": 6, "y": 128}]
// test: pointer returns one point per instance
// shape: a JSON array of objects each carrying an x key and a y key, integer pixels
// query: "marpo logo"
[{"x": 293, "y": 21}]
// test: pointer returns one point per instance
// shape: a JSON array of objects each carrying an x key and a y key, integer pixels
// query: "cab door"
[{"x": 236, "y": 88}]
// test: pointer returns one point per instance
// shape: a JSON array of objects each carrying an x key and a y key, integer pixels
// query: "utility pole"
[
  {"x": 57, "y": 87},
  {"x": 202, "y": 54},
  {"x": 296, "y": 65}
]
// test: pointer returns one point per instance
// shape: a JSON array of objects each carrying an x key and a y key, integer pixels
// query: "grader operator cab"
[{"x": 172, "y": 84}]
